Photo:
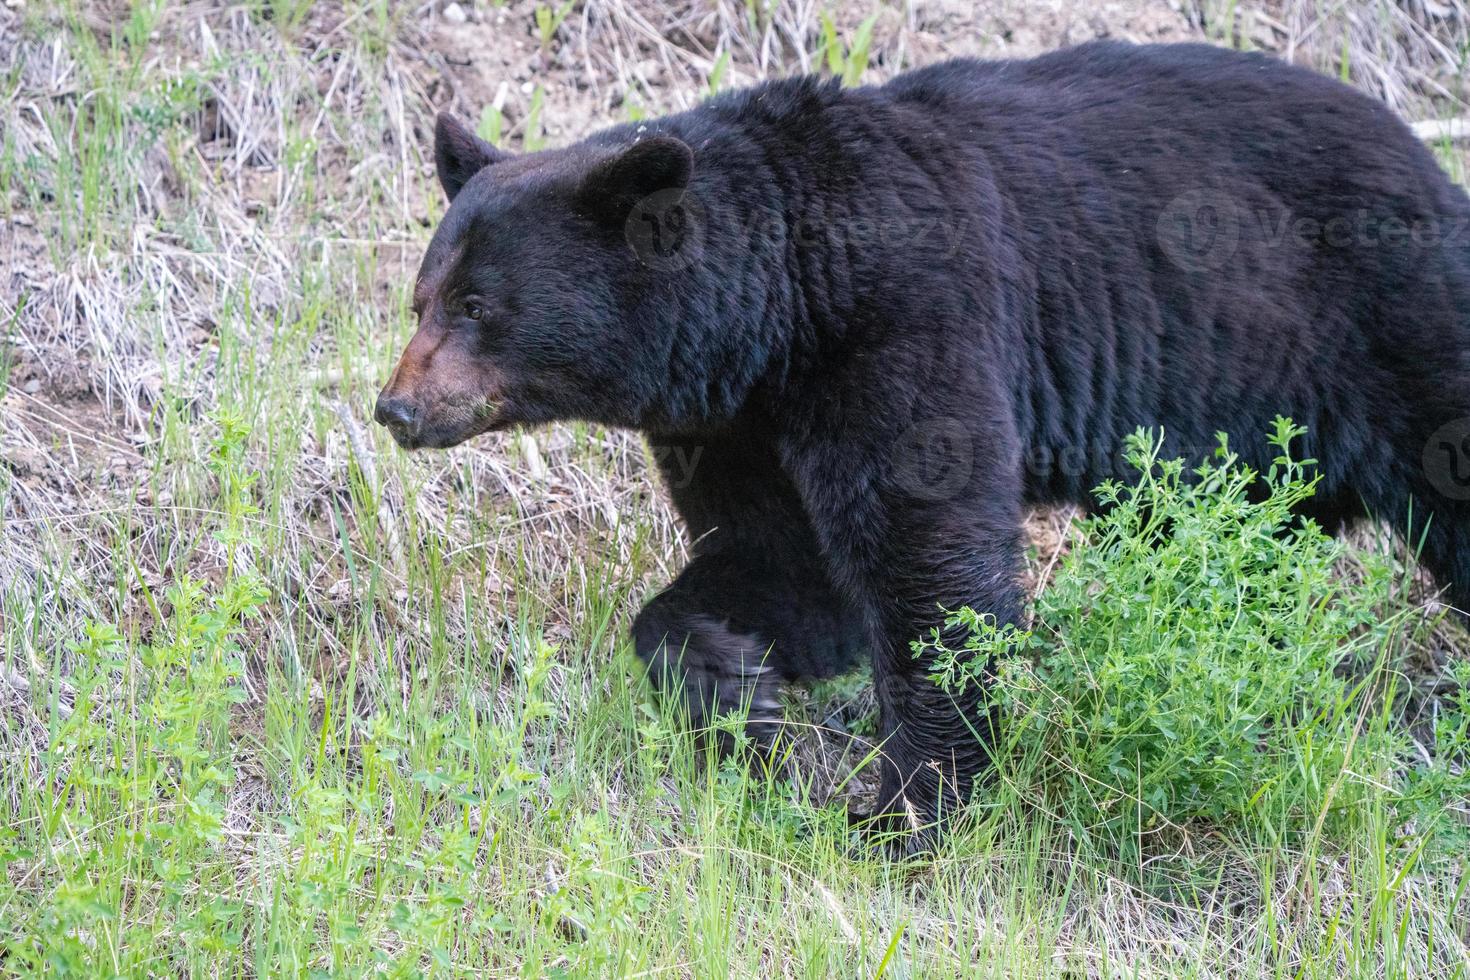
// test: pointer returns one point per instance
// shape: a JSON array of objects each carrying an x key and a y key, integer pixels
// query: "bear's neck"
[{"x": 766, "y": 291}]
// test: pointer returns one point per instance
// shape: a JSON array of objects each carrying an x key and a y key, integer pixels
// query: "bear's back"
[
  {"x": 1200, "y": 239},
  {"x": 1109, "y": 98}
]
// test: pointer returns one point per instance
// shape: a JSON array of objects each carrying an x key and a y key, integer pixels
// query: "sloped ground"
[{"x": 427, "y": 752}]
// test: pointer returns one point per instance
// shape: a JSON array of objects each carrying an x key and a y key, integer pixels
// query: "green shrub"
[{"x": 1189, "y": 658}]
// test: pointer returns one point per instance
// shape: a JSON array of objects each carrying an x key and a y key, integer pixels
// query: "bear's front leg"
[
  {"x": 716, "y": 668},
  {"x": 915, "y": 521},
  {"x": 936, "y": 742},
  {"x": 755, "y": 606},
  {"x": 740, "y": 620}
]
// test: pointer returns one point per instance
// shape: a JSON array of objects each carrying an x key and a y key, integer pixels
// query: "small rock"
[
  {"x": 527, "y": 88},
  {"x": 32, "y": 386},
  {"x": 454, "y": 14},
  {"x": 651, "y": 70},
  {"x": 23, "y": 460}
]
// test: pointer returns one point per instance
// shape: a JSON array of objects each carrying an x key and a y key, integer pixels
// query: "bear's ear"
[
  {"x": 657, "y": 163},
  {"x": 459, "y": 154}
]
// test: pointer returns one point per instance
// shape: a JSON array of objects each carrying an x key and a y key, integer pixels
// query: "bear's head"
[{"x": 531, "y": 305}]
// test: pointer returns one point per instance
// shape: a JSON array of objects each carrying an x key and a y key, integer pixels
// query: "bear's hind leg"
[
  {"x": 1446, "y": 553},
  {"x": 1434, "y": 516}
]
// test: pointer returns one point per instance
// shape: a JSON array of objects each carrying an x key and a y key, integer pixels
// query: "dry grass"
[
  {"x": 1411, "y": 54},
  {"x": 215, "y": 207}
]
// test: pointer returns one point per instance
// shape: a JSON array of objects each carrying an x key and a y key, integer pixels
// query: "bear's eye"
[{"x": 473, "y": 310}]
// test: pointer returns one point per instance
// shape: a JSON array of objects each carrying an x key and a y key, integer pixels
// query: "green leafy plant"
[
  {"x": 1192, "y": 656},
  {"x": 549, "y": 19},
  {"x": 142, "y": 760}
]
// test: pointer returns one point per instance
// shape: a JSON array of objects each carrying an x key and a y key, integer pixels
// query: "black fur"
[{"x": 881, "y": 321}]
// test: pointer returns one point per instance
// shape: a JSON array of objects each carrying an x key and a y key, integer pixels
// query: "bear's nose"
[{"x": 395, "y": 413}]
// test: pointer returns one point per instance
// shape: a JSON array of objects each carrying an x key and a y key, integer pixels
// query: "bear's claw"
[
  {"x": 721, "y": 671},
  {"x": 891, "y": 836}
]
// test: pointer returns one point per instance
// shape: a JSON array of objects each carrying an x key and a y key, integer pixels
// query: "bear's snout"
[{"x": 398, "y": 415}]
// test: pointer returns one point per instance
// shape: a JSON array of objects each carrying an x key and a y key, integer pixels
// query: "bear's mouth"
[{"x": 487, "y": 415}]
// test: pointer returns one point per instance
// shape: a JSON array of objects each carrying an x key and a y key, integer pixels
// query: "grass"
[{"x": 278, "y": 699}]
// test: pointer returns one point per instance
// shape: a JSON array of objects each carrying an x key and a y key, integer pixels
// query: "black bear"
[{"x": 864, "y": 328}]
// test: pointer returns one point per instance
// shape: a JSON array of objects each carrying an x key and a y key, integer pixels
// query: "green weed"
[
  {"x": 847, "y": 60},
  {"x": 549, "y": 19},
  {"x": 1200, "y": 656}
]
